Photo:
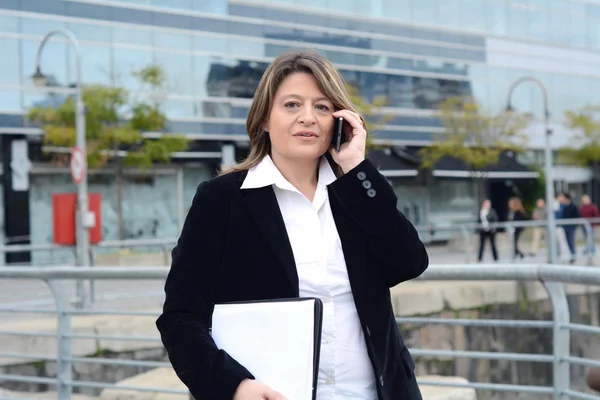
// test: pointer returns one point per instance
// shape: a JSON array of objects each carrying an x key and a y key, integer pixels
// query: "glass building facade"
[{"x": 413, "y": 53}]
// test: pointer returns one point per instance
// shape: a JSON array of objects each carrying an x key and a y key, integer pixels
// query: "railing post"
[
  {"x": 166, "y": 255},
  {"x": 562, "y": 339},
  {"x": 510, "y": 229},
  {"x": 92, "y": 281},
  {"x": 64, "y": 366},
  {"x": 467, "y": 240}
]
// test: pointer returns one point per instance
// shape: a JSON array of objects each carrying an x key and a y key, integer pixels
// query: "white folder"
[{"x": 278, "y": 341}]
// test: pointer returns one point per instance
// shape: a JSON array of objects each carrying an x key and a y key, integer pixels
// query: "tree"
[
  {"x": 584, "y": 148},
  {"x": 115, "y": 122},
  {"x": 474, "y": 137},
  {"x": 365, "y": 109}
]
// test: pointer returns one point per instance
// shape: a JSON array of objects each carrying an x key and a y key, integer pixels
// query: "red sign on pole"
[{"x": 77, "y": 165}]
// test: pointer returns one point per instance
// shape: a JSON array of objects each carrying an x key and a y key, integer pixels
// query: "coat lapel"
[{"x": 264, "y": 209}]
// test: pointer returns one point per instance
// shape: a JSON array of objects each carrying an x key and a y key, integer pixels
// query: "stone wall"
[
  {"x": 105, "y": 373},
  {"x": 584, "y": 310}
]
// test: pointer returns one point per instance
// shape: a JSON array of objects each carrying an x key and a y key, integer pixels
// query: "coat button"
[
  {"x": 371, "y": 192},
  {"x": 367, "y": 184},
  {"x": 361, "y": 175}
]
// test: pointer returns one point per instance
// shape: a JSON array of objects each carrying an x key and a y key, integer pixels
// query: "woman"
[
  {"x": 517, "y": 213},
  {"x": 487, "y": 216},
  {"x": 285, "y": 223}
]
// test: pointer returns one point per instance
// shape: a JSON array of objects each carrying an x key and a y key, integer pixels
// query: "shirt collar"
[{"x": 265, "y": 173}]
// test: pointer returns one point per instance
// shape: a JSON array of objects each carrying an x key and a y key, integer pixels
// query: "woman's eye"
[
  {"x": 323, "y": 107},
  {"x": 291, "y": 105}
]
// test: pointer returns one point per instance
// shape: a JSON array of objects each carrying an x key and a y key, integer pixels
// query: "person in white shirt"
[
  {"x": 487, "y": 216},
  {"x": 297, "y": 218}
]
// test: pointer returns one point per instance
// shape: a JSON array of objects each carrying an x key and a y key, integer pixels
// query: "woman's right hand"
[{"x": 250, "y": 389}]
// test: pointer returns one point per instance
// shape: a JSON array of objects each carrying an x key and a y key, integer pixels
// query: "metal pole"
[
  {"x": 180, "y": 196},
  {"x": 562, "y": 339},
  {"x": 64, "y": 373},
  {"x": 548, "y": 168},
  {"x": 82, "y": 232}
]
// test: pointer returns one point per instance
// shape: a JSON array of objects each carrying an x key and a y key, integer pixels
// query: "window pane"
[
  {"x": 178, "y": 70},
  {"x": 9, "y": 24},
  {"x": 125, "y": 62},
  {"x": 219, "y": 7},
  {"x": 472, "y": 14},
  {"x": 53, "y": 63},
  {"x": 91, "y": 32},
  {"x": 39, "y": 26},
  {"x": 497, "y": 17},
  {"x": 132, "y": 36},
  {"x": 9, "y": 67},
  {"x": 172, "y": 40},
  {"x": 578, "y": 23},
  {"x": 95, "y": 65},
  {"x": 180, "y": 4},
  {"x": 425, "y": 11},
  {"x": 10, "y": 100}
]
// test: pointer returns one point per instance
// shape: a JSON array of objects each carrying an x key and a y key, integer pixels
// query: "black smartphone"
[{"x": 339, "y": 136}]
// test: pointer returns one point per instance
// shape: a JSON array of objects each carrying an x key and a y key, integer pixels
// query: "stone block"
[
  {"x": 163, "y": 378},
  {"x": 43, "y": 345},
  {"x": 127, "y": 326},
  {"x": 445, "y": 392}
]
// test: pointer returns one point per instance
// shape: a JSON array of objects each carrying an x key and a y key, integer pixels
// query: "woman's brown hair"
[
  {"x": 515, "y": 204},
  {"x": 329, "y": 81}
]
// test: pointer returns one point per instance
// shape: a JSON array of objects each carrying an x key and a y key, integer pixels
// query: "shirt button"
[
  {"x": 327, "y": 299},
  {"x": 328, "y": 339},
  {"x": 329, "y": 381},
  {"x": 361, "y": 175}
]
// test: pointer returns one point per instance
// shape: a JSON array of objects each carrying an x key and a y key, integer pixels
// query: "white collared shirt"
[{"x": 345, "y": 370}]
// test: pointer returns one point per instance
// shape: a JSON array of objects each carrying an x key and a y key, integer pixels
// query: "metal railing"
[
  {"x": 166, "y": 244},
  {"x": 552, "y": 277},
  {"x": 86, "y": 294}
]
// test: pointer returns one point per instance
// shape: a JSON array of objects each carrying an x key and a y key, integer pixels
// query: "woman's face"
[{"x": 300, "y": 124}]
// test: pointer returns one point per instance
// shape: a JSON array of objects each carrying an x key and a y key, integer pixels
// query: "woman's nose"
[{"x": 307, "y": 116}]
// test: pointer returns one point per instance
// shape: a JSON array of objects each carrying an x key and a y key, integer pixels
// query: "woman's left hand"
[{"x": 352, "y": 152}]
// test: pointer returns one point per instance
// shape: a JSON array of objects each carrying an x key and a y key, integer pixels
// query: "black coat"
[{"x": 234, "y": 246}]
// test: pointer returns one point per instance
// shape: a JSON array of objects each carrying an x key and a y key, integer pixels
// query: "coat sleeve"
[
  {"x": 208, "y": 372},
  {"x": 393, "y": 242}
]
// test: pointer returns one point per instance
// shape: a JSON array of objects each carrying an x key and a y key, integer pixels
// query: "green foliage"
[
  {"x": 532, "y": 190},
  {"x": 584, "y": 149},
  {"x": 473, "y": 136},
  {"x": 115, "y": 123}
]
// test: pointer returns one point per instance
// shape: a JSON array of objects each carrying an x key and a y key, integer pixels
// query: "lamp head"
[{"x": 38, "y": 78}]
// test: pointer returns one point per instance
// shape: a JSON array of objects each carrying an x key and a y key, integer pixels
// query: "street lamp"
[
  {"x": 548, "y": 166},
  {"x": 83, "y": 218}
]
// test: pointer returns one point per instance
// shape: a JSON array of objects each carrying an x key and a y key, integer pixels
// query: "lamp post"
[
  {"x": 83, "y": 217},
  {"x": 548, "y": 167}
]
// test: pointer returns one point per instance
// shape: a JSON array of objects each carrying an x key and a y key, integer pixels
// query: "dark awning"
[
  {"x": 507, "y": 167},
  {"x": 393, "y": 164}
]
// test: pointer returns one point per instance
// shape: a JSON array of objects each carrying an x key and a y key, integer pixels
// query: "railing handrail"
[{"x": 497, "y": 272}]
